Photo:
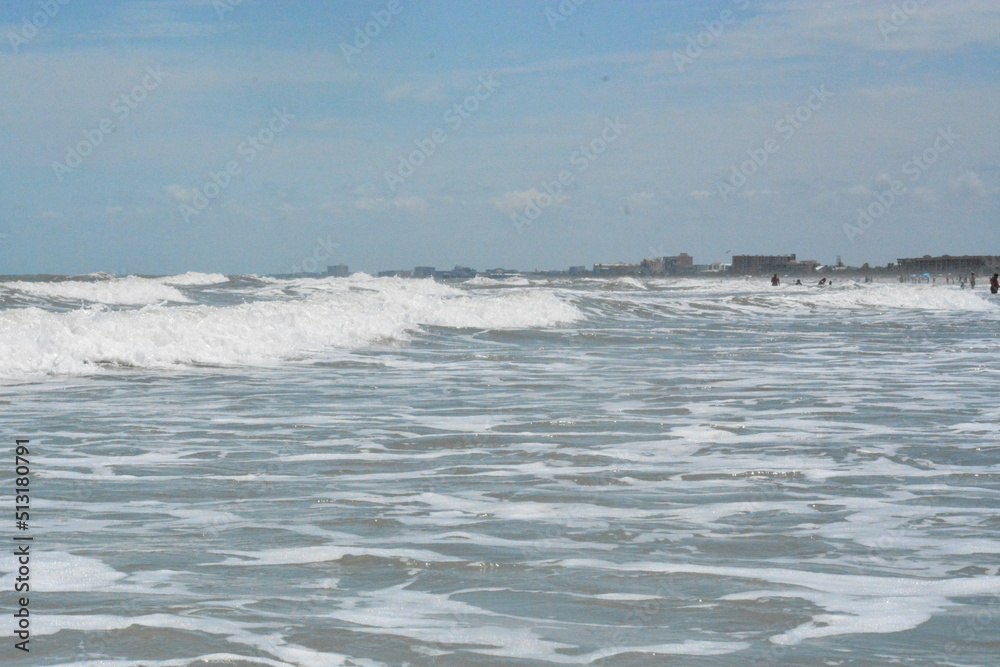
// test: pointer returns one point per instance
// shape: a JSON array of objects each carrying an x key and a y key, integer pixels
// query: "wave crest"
[{"x": 39, "y": 342}]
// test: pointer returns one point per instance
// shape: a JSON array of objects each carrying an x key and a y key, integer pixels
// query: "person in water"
[
  {"x": 775, "y": 281},
  {"x": 972, "y": 281},
  {"x": 822, "y": 282},
  {"x": 995, "y": 283}
]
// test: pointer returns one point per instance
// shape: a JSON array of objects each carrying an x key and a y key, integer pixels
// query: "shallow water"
[{"x": 386, "y": 472}]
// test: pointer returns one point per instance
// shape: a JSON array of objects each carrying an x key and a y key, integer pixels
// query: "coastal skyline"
[{"x": 245, "y": 137}]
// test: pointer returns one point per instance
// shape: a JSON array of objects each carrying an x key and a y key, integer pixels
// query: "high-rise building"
[
  {"x": 338, "y": 270},
  {"x": 423, "y": 272},
  {"x": 751, "y": 264}
]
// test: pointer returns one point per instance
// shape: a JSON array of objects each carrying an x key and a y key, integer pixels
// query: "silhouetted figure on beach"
[
  {"x": 972, "y": 281},
  {"x": 775, "y": 281},
  {"x": 995, "y": 283}
]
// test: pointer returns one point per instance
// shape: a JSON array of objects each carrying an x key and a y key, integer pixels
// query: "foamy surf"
[
  {"x": 194, "y": 278},
  {"x": 320, "y": 315},
  {"x": 129, "y": 291},
  {"x": 368, "y": 471},
  {"x": 902, "y": 297}
]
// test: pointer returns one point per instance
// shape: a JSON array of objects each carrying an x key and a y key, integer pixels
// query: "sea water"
[{"x": 362, "y": 471}]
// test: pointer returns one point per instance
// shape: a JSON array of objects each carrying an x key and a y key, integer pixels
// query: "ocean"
[{"x": 244, "y": 470}]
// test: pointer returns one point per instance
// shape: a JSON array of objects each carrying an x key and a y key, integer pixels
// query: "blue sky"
[{"x": 242, "y": 137}]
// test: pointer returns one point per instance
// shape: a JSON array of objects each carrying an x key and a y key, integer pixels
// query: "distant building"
[
  {"x": 423, "y": 272},
  {"x": 754, "y": 264},
  {"x": 459, "y": 272},
  {"x": 653, "y": 267},
  {"x": 949, "y": 264},
  {"x": 578, "y": 271},
  {"x": 682, "y": 263},
  {"x": 750, "y": 264},
  {"x": 618, "y": 269},
  {"x": 395, "y": 273},
  {"x": 667, "y": 266},
  {"x": 338, "y": 271}
]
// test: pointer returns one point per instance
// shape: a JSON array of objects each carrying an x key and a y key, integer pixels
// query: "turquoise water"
[{"x": 385, "y": 472}]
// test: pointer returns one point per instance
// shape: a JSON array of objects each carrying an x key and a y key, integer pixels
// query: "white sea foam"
[
  {"x": 328, "y": 553},
  {"x": 708, "y": 297},
  {"x": 130, "y": 291},
  {"x": 835, "y": 448},
  {"x": 354, "y": 314},
  {"x": 428, "y": 617},
  {"x": 194, "y": 278},
  {"x": 237, "y": 633},
  {"x": 483, "y": 281},
  {"x": 904, "y": 296},
  {"x": 59, "y": 571},
  {"x": 208, "y": 658},
  {"x": 856, "y": 603},
  {"x": 625, "y": 282}
]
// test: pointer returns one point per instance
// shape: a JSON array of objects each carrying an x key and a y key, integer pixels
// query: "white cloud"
[
  {"x": 181, "y": 194},
  {"x": 786, "y": 30},
  {"x": 754, "y": 195},
  {"x": 640, "y": 199},
  {"x": 639, "y": 202},
  {"x": 411, "y": 92},
  {"x": 407, "y": 204},
  {"x": 515, "y": 201},
  {"x": 331, "y": 208},
  {"x": 410, "y": 204},
  {"x": 370, "y": 204},
  {"x": 970, "y": 183}
]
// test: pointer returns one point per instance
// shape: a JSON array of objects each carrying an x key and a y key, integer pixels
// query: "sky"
[{"x": 253, "y": 136}]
